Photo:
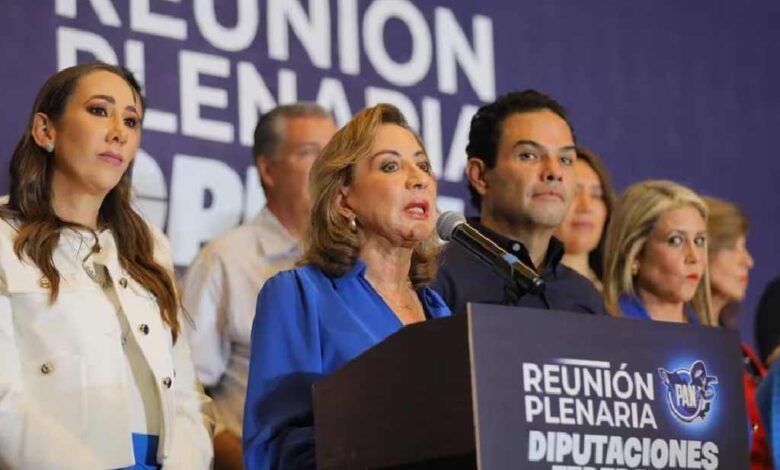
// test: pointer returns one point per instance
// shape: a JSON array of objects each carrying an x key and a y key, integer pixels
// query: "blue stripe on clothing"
[
  {"x": 145, "y": 451},
  {"x": 768, "y": 400}
]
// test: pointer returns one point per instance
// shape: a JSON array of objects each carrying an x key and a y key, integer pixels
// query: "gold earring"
[
  {"x": 353, "y": 224},
  {"x": 634, "y": 268}
]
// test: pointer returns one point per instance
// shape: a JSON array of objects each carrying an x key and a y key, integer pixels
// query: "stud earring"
[
  {"x": 353, "y": 224},
  {"x": 635, "y": 269},
  {"x": 49, "y": 147}
]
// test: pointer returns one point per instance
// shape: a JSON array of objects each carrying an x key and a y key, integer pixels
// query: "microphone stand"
[{"x": 514, "y": 290}]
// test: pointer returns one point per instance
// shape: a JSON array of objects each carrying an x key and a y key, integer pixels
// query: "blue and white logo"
[{"x": 689, "y": 392}]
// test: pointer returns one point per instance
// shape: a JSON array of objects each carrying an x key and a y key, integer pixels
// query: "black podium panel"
[
  {"x": 508, "y": 388},
  {"x": 405, "y": 401}
]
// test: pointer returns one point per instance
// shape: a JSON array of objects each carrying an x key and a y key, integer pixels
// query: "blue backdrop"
[{"x": 661, "y": 89}]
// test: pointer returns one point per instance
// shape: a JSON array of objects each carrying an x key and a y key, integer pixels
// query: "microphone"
[{"x": 452, "y": 226}]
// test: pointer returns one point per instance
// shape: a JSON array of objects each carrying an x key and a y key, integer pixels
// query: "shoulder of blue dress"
[
  {"x": 288, "y": 278},
  {"x": 307, "y": 280},
  {"x": 306, "y": 273},
  {"x": 348, "y": 278},
  {"x": 632, "y": 307},
  {"x": 433, "y": 302}
]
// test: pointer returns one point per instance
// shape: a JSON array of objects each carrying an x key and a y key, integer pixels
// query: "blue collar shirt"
[
  {"x": 307, "y": 325},
  {"x": 632, "y": 307}
]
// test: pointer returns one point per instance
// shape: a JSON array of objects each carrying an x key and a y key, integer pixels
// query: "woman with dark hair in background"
[
  {"x": 369, "y": 255},
  {"x": 730, "y": 265},
  {"x": 93, "y": 372},
  {"x": 583, "y": 229}
]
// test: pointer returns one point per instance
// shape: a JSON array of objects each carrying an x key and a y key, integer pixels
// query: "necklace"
[
  {"x": 97, "y": 273},
  {"x": 409, "y": 303},
  {"x": 100, "y": 275},
  {"x": 407, "y": 306}
]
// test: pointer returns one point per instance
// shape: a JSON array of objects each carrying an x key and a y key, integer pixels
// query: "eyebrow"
[
  {"x": 677, "y": 231},
  {"x": 395, "y": 153},
  {"x": 537, "y": 145},
  {"x": 309, "y": 144},
  {"x": 111, "y": 100}
]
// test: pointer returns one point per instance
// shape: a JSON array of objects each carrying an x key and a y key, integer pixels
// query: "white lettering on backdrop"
[{"x": 206, "y": 196}]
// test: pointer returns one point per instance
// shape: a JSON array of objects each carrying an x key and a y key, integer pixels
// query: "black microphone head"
[{"x": 447, "y": 223}]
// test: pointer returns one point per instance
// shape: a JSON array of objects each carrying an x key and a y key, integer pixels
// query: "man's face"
[
  {"x": 533, "y": 181},
  {"x": 286, "y": 174}
]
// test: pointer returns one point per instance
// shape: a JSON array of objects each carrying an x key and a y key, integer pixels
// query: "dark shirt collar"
[{"x": 552, "y": 258}]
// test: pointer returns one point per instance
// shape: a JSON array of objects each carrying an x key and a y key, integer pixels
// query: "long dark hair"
[
  {"x": 39, "y": 228},
  {"x": 596, "y": 256}
]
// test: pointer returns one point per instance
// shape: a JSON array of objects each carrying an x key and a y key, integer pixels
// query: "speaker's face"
[{"x": 393, "y": 191}]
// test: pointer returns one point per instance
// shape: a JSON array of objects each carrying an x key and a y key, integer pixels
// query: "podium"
[{"x": 517, "y": 388}]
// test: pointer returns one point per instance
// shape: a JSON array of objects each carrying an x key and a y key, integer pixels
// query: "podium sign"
[
  {"x": 517, "y": 388},
  {"x": 571, "y": 392}
]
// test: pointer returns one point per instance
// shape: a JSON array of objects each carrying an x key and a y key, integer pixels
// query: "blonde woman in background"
[
  {"x": 655, "y": 264},
  {"x": 730, "y": 264},
  {"x": 370, "y": 254},
  {"x": 730, "y": 260}
]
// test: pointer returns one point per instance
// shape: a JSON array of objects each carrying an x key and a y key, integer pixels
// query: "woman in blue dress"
[
  {"x": 369, "y": 256},
  {"x": 655, "y": 265}
]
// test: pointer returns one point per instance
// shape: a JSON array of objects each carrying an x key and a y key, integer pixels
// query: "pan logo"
[{"x": 689, "y": 392}]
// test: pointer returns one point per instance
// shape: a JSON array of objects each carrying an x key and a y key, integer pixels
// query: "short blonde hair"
[
  {"x": 330, "y": 243},
  {"x": 726, "y": 223},
  {"x": 636, "y": 213}
]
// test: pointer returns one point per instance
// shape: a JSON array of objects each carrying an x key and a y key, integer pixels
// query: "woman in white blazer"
[{"x": 93, "y": 372}]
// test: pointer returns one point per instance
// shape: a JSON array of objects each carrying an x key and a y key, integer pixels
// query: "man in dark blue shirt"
[{"x": 520, "y": 172}]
